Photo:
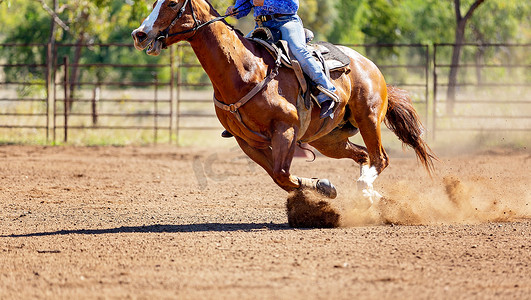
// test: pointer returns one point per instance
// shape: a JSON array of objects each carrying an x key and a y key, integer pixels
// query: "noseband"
[{"x": 164, "y": 34}]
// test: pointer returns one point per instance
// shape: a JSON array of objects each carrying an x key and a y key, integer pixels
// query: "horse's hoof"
[{"x": 325, "y": 187}]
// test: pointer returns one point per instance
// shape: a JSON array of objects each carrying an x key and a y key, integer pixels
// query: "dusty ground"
[{"x": 168, "y": 222}]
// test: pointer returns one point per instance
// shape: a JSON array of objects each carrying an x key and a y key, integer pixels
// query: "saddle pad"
[{"x": 335, "y": 58}]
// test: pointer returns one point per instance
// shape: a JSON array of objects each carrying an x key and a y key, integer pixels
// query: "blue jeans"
[{"x": 293, "y": 32}]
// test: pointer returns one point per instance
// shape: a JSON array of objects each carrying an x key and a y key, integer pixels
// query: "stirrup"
[{"x": 329, "y": 93}]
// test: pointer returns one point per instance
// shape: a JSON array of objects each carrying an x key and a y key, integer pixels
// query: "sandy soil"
[{"x": 168, "y": 222}]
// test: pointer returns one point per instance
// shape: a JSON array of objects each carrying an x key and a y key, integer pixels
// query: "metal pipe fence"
[
  {"x": 34, "y": 114},
  {"x": 492, "y": 85},
  {"x": 71, "y": 91}
]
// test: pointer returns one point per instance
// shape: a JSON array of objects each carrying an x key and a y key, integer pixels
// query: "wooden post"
[
  {"x": 427, "y": 92},
  {"x": 66, "y": 96},
  {"x": 434, "y": 113},
  {"x": 172, "y": 88},
  {"x": 54, "y": 105},
  {"x": 178, "y": 100},
  {"x": 50, "y": 59},
  {"x": 95, "y": 99},
  {"x": 156, "y": 105}
]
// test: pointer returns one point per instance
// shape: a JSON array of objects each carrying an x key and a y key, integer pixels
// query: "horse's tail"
[{"x": 404, "y": 121}]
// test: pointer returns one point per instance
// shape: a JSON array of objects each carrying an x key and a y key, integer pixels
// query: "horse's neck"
[{"x": 227, "y": 59}]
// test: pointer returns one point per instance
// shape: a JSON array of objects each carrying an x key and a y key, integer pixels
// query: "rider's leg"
[{"x": 293, "y": 32}]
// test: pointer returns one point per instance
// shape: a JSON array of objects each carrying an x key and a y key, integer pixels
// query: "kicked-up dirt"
[{"x": 186, "y": 223}]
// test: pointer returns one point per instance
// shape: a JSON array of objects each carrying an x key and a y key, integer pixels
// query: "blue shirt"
[{"x": 270, "y": 7}]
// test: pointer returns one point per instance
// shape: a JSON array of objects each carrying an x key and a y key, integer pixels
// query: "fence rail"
[
  {"x": 69, "y": 90},
  {"x": 492, "y": 88}
]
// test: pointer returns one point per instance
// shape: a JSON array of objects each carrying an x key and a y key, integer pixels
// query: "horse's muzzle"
[
  {"x": 139, "y": 36},
  {"x": 141, "y": 39}
]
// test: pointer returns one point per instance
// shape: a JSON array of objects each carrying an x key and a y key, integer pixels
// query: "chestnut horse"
[{"x": 267, "y": 127}]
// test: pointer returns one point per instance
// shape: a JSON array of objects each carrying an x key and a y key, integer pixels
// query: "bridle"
[{"x": 164, "y": 34}]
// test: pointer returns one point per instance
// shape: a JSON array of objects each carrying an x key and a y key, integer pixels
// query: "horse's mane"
[{"x": 238, "y": 32}]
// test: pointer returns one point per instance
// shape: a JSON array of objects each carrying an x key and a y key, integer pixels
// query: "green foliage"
[
  {"x": 428, "y": 21},
  {"x": 339, "y": 21},
  {"x": 92, "y": 22},
  {"x": 347, "y": 26},
  {"x": 500, "y": 21},
  {"x": 317, "y": 15}
]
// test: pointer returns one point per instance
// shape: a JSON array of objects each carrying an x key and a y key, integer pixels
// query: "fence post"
[
  {"x": 178, "y": 112},
  {"x": 54, "y": 77},
  {"x": 427, "y": 88},
  {"x": 95, "y": 100},
  {"x": 434, "y": 112},
  {"x": 50, "y": 62},
  {"x": 67, "y": 97},
  {"x": 156, "y": 102},
  {"x": 172, "y": 88},
  {"x": 49, "y": 66}
]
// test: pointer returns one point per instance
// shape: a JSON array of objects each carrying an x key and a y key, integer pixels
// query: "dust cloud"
[
  {"x": 308, "y": 209},
  {"x": 447, "y": 200}
]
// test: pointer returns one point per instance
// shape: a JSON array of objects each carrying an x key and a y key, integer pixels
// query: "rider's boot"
[
  {"x": 328, "y": 101},
  {"x": 328, "y": 107}
]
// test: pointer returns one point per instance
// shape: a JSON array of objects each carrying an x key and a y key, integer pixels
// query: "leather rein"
[{"x": 164, "y": 34}]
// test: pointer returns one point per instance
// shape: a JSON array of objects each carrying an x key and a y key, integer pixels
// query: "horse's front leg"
[
  {"x": 283, "y": 144},
  {"x": 262, "y": 157},
  {"x": 276, "y": 160}
]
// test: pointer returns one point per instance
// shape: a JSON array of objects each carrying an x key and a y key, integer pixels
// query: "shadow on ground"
[{"x": 159, "y": 228}]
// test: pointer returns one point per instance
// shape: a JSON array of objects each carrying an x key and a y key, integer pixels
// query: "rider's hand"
[
  {"x": 258, "y": 2},
  {"x": 230, "y": 10}
]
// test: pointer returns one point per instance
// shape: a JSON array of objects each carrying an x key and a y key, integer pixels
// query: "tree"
[
  {"x": 352, "y": 16},
  {"x": 317, "y": 15},
  {"x": 508, "y": 23},
  {"x": 80, "y": 22},
  {"x": 460, "y": 27}
]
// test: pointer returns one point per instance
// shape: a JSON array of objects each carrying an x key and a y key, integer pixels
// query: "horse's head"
[{"x": 169, "y": 22}]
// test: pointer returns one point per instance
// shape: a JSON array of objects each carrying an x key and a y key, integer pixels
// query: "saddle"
[{"x": 331, "y": 58}]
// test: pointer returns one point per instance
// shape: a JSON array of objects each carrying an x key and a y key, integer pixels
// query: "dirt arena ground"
[{"x": 167, "y": 222}]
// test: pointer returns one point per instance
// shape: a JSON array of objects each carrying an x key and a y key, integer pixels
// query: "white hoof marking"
[{"x": 367, "y": 178}]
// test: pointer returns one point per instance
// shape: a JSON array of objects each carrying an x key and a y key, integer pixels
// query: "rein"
[{"x": 197, "y": 24}]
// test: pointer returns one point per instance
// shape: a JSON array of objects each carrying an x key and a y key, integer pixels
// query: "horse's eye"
[{"x": 172, "y": 4}]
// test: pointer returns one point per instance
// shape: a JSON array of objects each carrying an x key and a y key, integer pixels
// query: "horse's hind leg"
[
  {"x": 336, "y": 145},
  {"x": 372, "y": 160},
  {"x": 370, "y": 125}
]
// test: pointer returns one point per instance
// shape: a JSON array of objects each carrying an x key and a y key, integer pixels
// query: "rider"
[{"x": 282, "y": 15}]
